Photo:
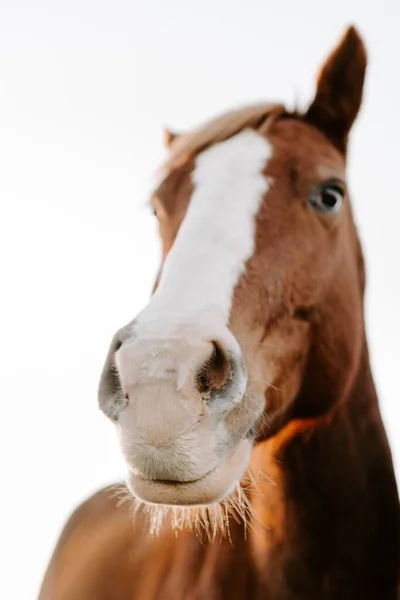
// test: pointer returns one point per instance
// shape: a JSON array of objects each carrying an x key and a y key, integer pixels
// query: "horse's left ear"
[
  {"x": 169, "y": 136},
  {"x": 339, "y": 90}
]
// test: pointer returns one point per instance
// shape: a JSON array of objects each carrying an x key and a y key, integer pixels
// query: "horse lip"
[
  {"x": 177, "y": 483},
  {"x": 208, "y": 489}
]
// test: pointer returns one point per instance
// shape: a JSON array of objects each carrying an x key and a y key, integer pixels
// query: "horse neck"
[{"x": 326, "y": 503}]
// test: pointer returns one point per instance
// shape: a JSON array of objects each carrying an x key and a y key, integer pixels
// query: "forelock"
[{"x": 259, "y": 117}]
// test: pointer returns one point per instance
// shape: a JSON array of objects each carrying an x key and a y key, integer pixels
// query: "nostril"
[{"x": 215, "y": 373}]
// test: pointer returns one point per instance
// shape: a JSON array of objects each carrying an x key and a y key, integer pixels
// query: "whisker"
[
  {"x": 268, "y": 383},
  {"x": 258, "y": 343},
  {"x": 209, "y": 522}
]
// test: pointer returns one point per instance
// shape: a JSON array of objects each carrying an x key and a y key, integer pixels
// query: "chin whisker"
[
  {"x": 209, "y": 523},
  {"x": 121, "y": 493}
]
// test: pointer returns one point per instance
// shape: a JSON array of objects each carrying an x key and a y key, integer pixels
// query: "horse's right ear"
[{"x": 339, "y": 90}]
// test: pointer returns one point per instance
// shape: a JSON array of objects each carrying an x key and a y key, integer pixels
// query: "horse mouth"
[
  {"x": 177, "y": 482},
  {"x": 211, "y": 488}
]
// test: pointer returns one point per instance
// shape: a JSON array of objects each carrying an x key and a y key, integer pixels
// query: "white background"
[{"x": 85, "y": 87}]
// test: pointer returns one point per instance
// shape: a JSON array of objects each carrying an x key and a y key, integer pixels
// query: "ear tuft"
[
  {"x": 169, "y": 137},
  {"x": 339, "y": 89}
]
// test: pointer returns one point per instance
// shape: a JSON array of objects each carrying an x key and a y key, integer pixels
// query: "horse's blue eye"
[{"x": 328, "y": 199}]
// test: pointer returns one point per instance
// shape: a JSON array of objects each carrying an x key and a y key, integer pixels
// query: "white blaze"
[
  {"x": 161, "y": 434},
  {"x": 217, "y": 235}
]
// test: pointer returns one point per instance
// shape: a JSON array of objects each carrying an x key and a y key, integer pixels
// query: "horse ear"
[
  {"x": 339, "y": 90},
  {"x": 169, "y": 137}
]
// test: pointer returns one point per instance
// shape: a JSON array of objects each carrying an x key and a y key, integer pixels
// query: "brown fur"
[{"x": 326, "y": 520}]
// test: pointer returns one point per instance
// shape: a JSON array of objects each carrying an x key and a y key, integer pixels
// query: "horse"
[{"x": 258, "y": 465}]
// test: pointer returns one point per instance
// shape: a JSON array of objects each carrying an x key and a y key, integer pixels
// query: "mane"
[{"x": 258, "y": 116}]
